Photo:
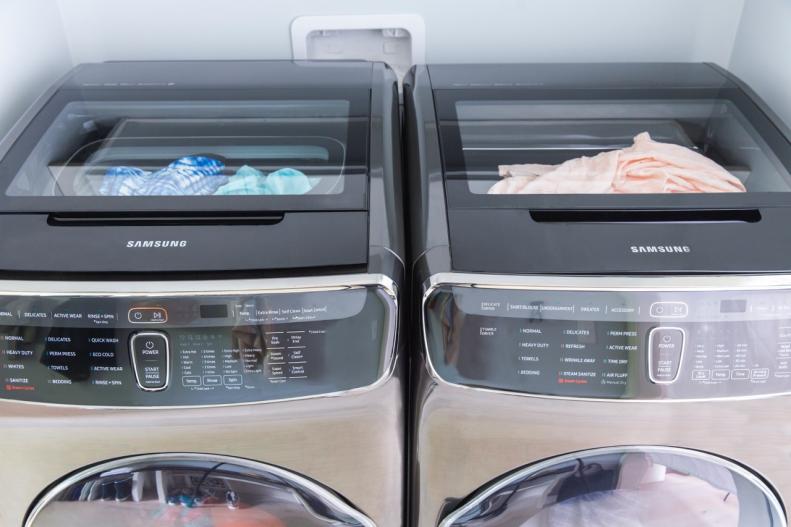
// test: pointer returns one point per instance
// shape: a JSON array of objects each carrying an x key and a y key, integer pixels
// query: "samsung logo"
[
  {"x": 156, "y": 243},
  {"x": 660, "y": 248}
]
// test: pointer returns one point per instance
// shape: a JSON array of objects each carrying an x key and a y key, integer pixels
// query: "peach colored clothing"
[{"x": 647, "y": 167}]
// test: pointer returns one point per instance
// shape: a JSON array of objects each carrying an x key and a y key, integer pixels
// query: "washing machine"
[
  {"x": 602, "y": 261},
  {"x": 201, "y": 269}
]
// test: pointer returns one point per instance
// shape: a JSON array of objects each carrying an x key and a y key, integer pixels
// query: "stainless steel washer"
[
  {"x": 596, "y": 358},
  {"x": 199, "y": 298}
]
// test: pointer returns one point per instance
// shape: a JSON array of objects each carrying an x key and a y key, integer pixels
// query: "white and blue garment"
[
  {"x": 249, "y": 181},
  {"x": 188, "y": 176}
]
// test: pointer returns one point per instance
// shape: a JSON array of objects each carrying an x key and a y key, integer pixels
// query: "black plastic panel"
[
  {"x": 76, "y": 350},
  {"x": 300, "y": 240},
  {"x": 574, "y": 75},
  {"x": 529, "y": 247},
  {"x": 612, "y": 344}
]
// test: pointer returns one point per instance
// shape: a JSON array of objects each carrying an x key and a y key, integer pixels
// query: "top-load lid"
[
  {"x": 205, "y": 166},
  {"x": 602, "y": 167},
  {"x": 606, "y": 135},
  {"x": 195, "y": 136}
]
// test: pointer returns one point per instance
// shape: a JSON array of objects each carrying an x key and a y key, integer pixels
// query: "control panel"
[
  {"x": 193, "y": 350},
  {"x": 612, "y": 344}
]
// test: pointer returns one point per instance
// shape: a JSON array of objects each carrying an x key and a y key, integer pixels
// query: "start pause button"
[
  {"x": 150, "y": 360},
  {"x": 665, "y": 350}
]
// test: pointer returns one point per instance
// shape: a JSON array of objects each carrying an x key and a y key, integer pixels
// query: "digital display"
[
  {"x": 214, "y": 311},
  {"x": 733, "y": 306}
]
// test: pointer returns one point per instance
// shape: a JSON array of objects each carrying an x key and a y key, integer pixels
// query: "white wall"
[
  {"x": 762, "y": 52},
  {"x": 33, "y": 54},
  {"x": 42, "y": 38},
  {"x": 457, "y": 30}
]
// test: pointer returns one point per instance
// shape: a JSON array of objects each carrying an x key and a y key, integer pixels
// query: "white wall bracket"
[{"x": 398, "y": 40}]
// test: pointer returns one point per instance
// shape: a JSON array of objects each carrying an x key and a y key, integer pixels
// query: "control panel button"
[
  {"x": 232, "y": 380},
  {"x": 148, "y": 315},
  {"x": 721, "y": 375},
  {"x": 150, "y": 360},
  {"x": 701, "y": 375},
  {"x": 665, "y": 350},
  {"x": 669, "y": 310},
  {"x": 759, "y": 374},
  {"x": 212, "y": 380},
  {"x": 190, "y": 380}
]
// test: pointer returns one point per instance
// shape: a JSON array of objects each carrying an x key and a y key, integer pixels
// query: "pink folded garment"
[{"x": 647, "y": 167}]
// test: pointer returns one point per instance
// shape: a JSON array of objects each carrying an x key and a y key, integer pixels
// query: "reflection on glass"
[
  {"x": 189, "y": 149},
  {"x": 198, "y": 492},
  {"x": 649, "y": 487},
  {"x": 608, "y": 146},
  {"x": 74, "y": 350}
]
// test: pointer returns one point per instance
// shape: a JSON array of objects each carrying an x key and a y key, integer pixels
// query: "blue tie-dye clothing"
[{"x": 188, "y": 176}]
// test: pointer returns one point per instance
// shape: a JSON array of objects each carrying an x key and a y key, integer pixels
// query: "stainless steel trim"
[
  {"x": 748, "y": 474},
  {"x": 614, "y": 283},
  {"x": 220, "y": 288},
  {"x": 651, "y": 354},
  {"x": 192, "y": 287},
  {"x": 595, "y": 283},
  {"x": 541, "y": 148},
  {"x": 391, "y": 251},
  {"x": 132, "y": 339},
  {"x": 324, "y": 493}
]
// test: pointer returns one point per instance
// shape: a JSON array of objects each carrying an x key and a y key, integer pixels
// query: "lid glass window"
[
  {"x": 193, "y": 136},
  {"x": 189, "y": 149},
  {"x": 610, "y": 142}
]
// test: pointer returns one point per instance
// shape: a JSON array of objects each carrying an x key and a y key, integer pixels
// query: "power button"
[
  {"x": 150, "y": 359},
  {"x": 665, "y": 353}
]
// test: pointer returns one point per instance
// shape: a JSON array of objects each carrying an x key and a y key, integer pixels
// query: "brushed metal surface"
[
  {"x": 351, "y": 442},
  {"x": 466, "y": 437}
]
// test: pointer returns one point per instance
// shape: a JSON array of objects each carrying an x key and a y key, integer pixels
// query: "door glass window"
[
  {"x": 625, "y": 487},
  {"x": 191, "y": 491}
]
